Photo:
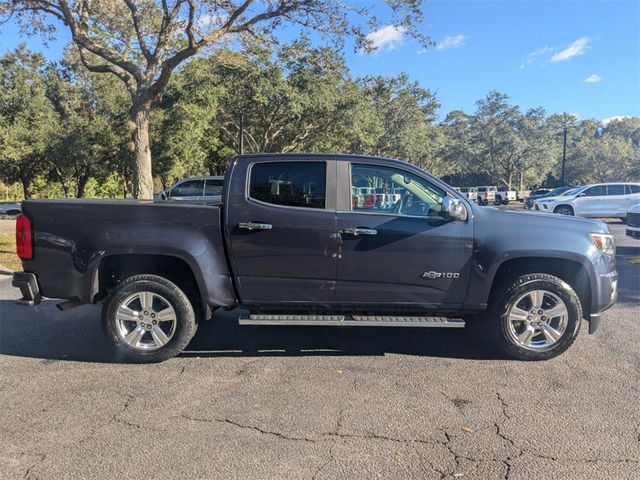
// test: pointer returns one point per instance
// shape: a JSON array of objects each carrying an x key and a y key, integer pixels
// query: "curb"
[{"x": 5, "y": 271}]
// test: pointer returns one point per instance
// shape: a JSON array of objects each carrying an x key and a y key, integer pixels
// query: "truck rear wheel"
[
  {"x": 536, "y": 318},
  {"x": 149, "y": 319}
]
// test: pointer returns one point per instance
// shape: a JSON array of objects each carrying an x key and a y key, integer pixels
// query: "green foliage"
[
  {"x": 64, "y": 132},
  {"x": 27, "y": 118}
]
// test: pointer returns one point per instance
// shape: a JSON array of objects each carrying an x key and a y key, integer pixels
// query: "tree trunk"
[
  {"x": 82, "y": 184},
  {"x": 26, "y": 187},
  {"x": 143, "y": 179}
]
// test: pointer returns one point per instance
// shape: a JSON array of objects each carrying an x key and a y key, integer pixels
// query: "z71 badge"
[{"x": 434, "y": 275}]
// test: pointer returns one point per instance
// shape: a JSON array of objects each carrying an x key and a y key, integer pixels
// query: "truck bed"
[{"x": 72, "y": 237}]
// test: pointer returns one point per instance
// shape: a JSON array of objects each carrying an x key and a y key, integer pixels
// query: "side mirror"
[
  {"x": 453, "y": 209},
  {"x": 163, "y": 195},
  {"x": 582, "y": 195}
]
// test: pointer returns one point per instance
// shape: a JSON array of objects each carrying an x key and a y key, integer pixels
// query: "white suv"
[
  {"x": 602, "y": 200},
  {"x": 633, "y": 221}
]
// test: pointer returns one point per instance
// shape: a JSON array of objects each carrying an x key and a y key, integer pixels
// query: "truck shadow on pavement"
[{"x": 45, "y": 333}]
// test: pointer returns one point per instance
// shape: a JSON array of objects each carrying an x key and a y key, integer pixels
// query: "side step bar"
[{"x": 352, "y": 321}]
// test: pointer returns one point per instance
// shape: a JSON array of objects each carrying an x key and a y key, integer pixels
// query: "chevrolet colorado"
[{"x": 294, "y": 244}]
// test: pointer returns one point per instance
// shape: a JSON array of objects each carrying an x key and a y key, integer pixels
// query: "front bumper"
[
  {"x": 28, "y": 285},
  {"x": 633, "y": 231},
  {"x": 606, "y": 296}
]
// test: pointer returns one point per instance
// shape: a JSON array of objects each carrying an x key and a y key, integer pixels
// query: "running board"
[{"x": 352, "y": 321}]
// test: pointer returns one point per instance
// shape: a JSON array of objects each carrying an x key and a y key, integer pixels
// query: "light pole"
[
  {"x": 241, "y": 139},
  {"x": 564, "y": 153}
]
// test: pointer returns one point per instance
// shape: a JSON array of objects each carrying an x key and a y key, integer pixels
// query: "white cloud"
[
  {"x": 531, "y": 56},
  {"x": 451, "y": 42},
  {"x": 576, "y": 48},
  {"x": 607, "y": 121},
  {"x": 593, "y": 78},
  {"x": 386, "y": 38}
]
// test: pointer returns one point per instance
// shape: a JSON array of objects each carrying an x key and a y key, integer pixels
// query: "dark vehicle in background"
[
  {"x": 320, "y": 239},
  {"x": 206, "y": 189},
  {"x": 544, "y": 193},
  {"x": 10, "y": 209}
]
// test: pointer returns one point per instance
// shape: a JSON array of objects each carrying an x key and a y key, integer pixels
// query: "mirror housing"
[
  {"x": 163, "y": 195},
  {"x": 583, "y": 194},
  {"x": 454, "y": 209}
]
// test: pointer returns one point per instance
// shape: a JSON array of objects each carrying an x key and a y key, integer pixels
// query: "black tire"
[
  {"x": 185, "y": 318},
  {"x": 497, "y": 201},
  {"x": 564, "y": 210},
  {"x": 505, "y": 299},
  {"x": 505, "y": 201}
]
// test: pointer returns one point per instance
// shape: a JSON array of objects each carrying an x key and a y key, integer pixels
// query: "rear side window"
[
  {"x": 292, "y": 184},
  {"x": 615, "y": 190},
  {"x": 190, "y": 188},
  {"x": 213, "y": 187},
  {"x": 633, "y": 189}
]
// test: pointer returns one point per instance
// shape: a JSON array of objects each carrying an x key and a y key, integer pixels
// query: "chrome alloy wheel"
[
  {"x": 145, "y": 321},
  {"x": 537, "y": 320}
]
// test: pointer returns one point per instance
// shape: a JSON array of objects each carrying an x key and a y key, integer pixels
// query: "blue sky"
[{"x": 581, "y": 57}]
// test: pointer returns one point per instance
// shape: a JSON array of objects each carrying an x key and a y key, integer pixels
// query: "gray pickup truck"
[{"x": 320, "y": 239}]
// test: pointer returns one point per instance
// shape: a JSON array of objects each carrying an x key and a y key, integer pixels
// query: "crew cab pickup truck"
[{"x": 293, "y": 245}]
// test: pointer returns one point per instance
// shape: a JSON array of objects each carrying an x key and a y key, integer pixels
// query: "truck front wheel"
[
  {"x": 536, "y": 318},
  {"x": 148, "y": 319}
]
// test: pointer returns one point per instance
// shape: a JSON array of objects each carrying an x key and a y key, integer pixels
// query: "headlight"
[{"x": 605, "y": 242}]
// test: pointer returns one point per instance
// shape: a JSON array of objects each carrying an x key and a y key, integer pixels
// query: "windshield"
[{"x": 570, "y": 192}]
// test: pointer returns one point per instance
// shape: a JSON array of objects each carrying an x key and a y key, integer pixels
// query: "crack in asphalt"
[
  {"x": 247, "y": 427},
  {"x": 28, "y": 473},
  {"x": 116, "y": 416}
]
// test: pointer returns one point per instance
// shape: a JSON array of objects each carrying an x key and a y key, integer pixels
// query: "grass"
[
  {"x": 634, "y": 260},
  {"x": 8, "y": 256}
]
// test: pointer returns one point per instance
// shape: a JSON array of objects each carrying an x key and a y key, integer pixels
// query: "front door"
[
  {"x": 281, "y": 227},
  {"x": 399, "y": 250},
  {"x": 591, "y": 202}
]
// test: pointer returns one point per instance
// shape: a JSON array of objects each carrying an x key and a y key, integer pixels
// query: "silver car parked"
[{"x": 191, "y": 189}]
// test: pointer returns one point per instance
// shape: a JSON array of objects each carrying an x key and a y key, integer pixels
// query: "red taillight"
[{"x": 23, "y": 237}]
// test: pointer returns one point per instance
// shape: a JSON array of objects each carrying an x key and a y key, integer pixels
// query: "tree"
[
  {"x": 395, "y": 118},
  {"x": 89, "y": 138},
  {"x": 142, "y": 42},
  {"x": 28, "y": 119}
]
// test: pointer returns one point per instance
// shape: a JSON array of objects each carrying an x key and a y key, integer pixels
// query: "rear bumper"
[{"x": 28, "y": 285}]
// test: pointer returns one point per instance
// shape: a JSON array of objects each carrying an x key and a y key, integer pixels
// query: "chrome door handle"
[
  {"x": 359, "y": 231},
  {"x": 254, "y": 226}
]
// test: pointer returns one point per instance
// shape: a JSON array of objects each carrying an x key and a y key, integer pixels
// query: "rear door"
[
  {"x": 281, "y": 228},
  {"x": 403, "y": 254},
  {"x": 616, "y": 201}
]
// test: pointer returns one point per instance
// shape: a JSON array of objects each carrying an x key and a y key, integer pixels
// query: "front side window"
[
  {"x": 376, "y": 189},
  {"x": 598, "y": 191},
  {"x": 189, "y": 188},
  {"x": 292, "y": 184},
  {"x": 615, "y": 190}
]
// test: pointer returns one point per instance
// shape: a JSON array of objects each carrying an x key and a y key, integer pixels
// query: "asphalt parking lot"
[{"x": 273, "y": 402}]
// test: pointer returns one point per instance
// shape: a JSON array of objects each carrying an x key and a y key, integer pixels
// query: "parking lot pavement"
[
  {"x": 7, "y": 225},
  {"x": 274, "y": 402}
]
